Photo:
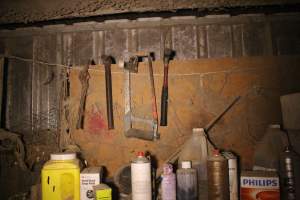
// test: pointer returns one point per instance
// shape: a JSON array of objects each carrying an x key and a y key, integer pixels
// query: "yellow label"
[{"x": 103, "y": 194}]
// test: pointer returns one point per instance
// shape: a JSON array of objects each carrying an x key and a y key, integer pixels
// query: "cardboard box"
[
  {"x": 102, "y": 192},
  {"x": 89, "y": 177},
  {"x": 259, "y": 185}
]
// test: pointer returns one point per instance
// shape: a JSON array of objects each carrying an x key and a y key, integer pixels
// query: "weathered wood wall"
[
  {"x": 1, "y": 85},
  {"x": 229, "y": 44}
]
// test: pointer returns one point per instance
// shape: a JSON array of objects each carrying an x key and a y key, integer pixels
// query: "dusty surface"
[
  {"x": 25, "y": 11},
  {"x": 199, "y": 90}
]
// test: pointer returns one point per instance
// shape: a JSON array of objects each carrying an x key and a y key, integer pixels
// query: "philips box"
[
  {"x": 89, "y": 177},
  {"x": 261, "y": 185}
]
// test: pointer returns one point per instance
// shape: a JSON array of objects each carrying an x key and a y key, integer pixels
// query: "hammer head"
[
  {"x": 107, "y": 60},
  {"x": 168, "y": 54}
]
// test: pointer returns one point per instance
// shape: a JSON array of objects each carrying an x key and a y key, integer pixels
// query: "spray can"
[
  {"x": 168, "y": 184},
  {"x": 141, "y": 178},
  {"x": 187, "y": 187},
  {"x": 217, "y": 175},
  {"x": 233, "y": 174},
  {"x": 289, "y": 189}
]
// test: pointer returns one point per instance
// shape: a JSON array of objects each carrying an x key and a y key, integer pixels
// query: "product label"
[
  {"x": 87, "y": 181},
  {"x": 260, "y": 182},
  {"x": 260, "y": 188},
  {"x": 103, "y": 194}
]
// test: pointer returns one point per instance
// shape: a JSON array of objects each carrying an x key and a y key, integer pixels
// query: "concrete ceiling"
[{"x": 28, "y": 11}]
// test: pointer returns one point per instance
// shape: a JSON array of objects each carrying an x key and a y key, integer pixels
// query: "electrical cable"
[{"x": 121, "y": 72}]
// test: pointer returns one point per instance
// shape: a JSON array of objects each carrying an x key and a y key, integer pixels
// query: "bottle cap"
[
  {"x": 63, "y": 156},
  {"x": 186, "y": 164},
  {"x": 167, "y": 169},
  {"x": 199, "y": 130},
  {"x": 216, "y": 152},
  {"x": 287, "y": 149},
  {"x": 140, "y": 154},
  {"x": 277, "y": 126}
]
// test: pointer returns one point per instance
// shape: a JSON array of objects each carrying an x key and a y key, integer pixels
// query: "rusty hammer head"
[
  {"x": 168, "y": 54},
  {"x": 107, "y": 60}
]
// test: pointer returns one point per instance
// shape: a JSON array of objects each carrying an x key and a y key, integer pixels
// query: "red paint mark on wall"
[{"x": 96, "y": 123}]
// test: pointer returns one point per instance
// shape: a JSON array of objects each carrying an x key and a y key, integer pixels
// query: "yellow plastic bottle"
[{"x": 61, "y": 177}]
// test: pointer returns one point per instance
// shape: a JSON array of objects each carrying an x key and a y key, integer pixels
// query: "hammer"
[
  {"x": 164, "y": 94},
  {"x": 107, "y": 61}
]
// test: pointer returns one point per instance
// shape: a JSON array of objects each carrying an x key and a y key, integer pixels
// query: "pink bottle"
[{"x": 168, "y": 184}]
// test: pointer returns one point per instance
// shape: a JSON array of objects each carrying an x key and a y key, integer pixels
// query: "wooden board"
[
  {"x": 198, "y": 91},
  {"x": 1, "y": 85}
]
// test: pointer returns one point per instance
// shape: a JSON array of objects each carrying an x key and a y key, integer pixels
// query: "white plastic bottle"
[
  {"x": 195, "y": 150},
  {"x": 168, "y": 184},
  {"x": 233, "y": 174},
  {"x": 141, "y": 178}
]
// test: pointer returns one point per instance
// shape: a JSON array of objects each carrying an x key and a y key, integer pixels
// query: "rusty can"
[{"x": 217, "y": 175}]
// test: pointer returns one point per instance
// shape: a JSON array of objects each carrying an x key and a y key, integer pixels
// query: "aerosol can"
[
  {"x": 288, "y": 178},
  {"x": 141, "y": 178}
]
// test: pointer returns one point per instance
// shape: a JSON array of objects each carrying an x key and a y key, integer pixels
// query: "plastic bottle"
[
  {"x": 61, "y": 177},
  {"x": 187, "y": 187},
  {"x": 287, "y": 175},
  {"x": 168, "y": 183},
  {"x": 217, "y": 174},
  {"x": 270, "y": 146},
  {"x": 141, "y": 178},
  {"x": 233, "y": 174},
  {"x": 195, "y": 150}
]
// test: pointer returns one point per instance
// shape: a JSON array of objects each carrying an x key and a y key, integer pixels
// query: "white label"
[
  {"x": 87, "y": 181},
  {"x": 260, "y": 182},
  {"x": 233, "y": 179}
]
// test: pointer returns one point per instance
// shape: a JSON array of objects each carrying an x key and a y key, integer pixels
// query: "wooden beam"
[{"x": 1, "y": 84}]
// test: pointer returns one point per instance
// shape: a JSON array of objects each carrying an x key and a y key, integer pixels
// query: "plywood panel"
[{"x": 198, "y": 91}]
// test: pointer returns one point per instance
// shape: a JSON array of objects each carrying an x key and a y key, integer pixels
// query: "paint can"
[
  {"x": 168, "y": 184},
  {"x": 217, "y": 175},
  {"x": 233, "y": 174},
  {"x": 141, "y": 178},
  {"x": 187, "y": 187}
]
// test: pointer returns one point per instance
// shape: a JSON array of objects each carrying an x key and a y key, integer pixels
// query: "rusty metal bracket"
[{"x": 132, "y": 64}]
